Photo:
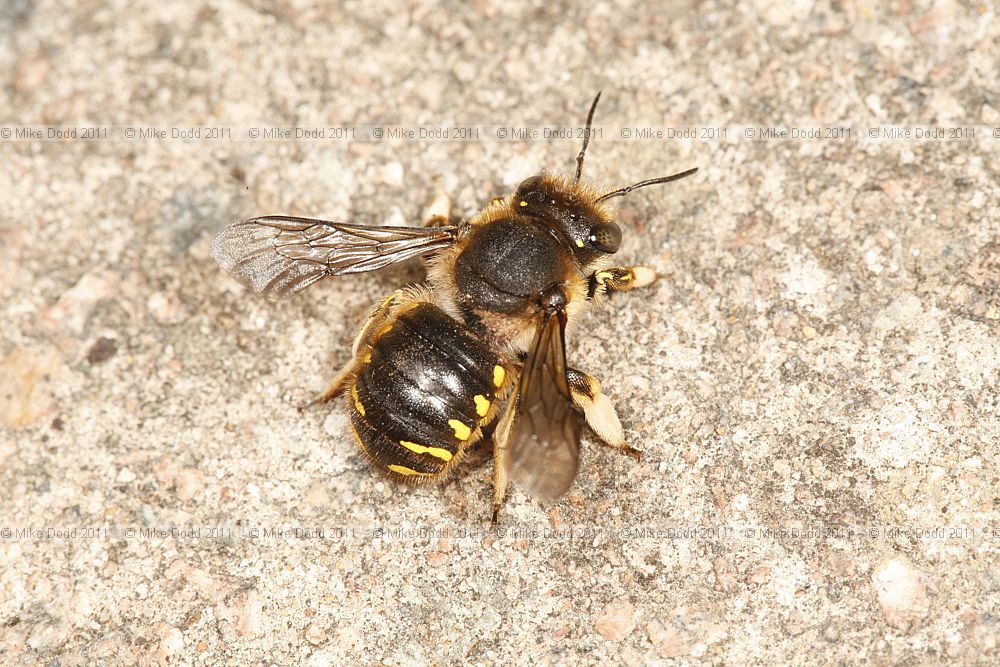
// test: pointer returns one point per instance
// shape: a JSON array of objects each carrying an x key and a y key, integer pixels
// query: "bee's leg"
[
  {"x": 500, "y": 438},
  {"x": 342, "y": 378},
  {"x": 438, "y": 212},
  {"x": 598, "y": 411},
  {"x": 336, "y": 386},
  {"x": 620, "y": 279}
]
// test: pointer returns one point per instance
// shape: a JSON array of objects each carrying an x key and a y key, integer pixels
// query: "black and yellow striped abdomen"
[{"x": 425, "y": 386}]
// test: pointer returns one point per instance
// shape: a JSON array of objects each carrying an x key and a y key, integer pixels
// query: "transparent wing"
[
  {"x": 544, "y": 446},
  {"x": 279, "y": 256}
]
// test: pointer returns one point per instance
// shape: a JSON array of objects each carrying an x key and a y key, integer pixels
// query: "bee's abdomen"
[{"x": 425, "y": 386}]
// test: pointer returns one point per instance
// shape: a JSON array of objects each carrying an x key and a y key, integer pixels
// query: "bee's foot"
[{"x": 633, "y": 452}]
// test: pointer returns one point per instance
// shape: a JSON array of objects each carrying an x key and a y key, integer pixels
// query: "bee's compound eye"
[
  {"x": 529, "y": 185},
  {"x": 606, "y": 238}
]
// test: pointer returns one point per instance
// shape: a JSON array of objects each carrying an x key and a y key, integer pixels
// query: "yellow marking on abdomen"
[
  {"x": 403, "y": 470},
  {"x": 357, "y": 401},
  {"x": 462, "y": 432},
  {"x": 482, "y": 405},
  {"x": 498, "y": 375},
  {"x": 437, "y": 452}
]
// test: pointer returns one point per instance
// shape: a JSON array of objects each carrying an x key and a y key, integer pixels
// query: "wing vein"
[{"x": 278, "y": 256}]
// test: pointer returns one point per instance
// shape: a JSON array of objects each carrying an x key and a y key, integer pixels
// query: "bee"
[{"x": 479, "y": 350}]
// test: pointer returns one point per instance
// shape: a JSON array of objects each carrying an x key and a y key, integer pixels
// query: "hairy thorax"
[{"x": 495, "y": 281}]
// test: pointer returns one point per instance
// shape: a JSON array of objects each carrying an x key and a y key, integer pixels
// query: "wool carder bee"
[{"x": 480, "y": 349}]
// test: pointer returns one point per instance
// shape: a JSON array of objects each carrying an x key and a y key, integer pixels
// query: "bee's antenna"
[
  {"x": 641, "y": 184},
  {"x": 586, "y": 139}
]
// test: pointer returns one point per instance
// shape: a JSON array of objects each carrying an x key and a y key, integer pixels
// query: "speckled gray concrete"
[{"x": 822, "y": 352}]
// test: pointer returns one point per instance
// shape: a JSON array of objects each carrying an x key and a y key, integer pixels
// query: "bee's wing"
[
  {"x": 279, "y": 256},
  {"x": 544, "y": 444}
]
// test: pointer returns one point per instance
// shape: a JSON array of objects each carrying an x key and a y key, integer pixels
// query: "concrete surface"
[{"x": 821, "y": 356}]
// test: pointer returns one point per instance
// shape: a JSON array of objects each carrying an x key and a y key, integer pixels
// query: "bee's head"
[
  {"x": 576, "y": 212},
  {"x": 573, "y": 211}
]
